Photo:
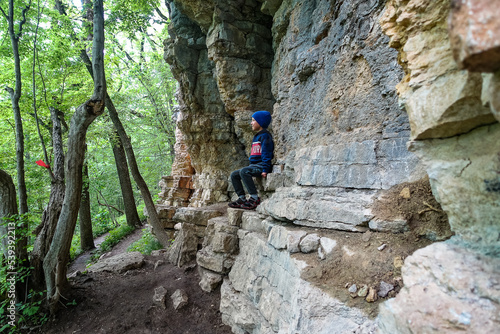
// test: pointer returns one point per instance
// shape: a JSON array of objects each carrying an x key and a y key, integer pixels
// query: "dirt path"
[
  {"x": 80, "y": 263},
  {"x": 123, "y": 303}
]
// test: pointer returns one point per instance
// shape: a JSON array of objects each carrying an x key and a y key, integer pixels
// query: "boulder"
[
  {"x": 119, "y": 263},
  {"x": 183, "y": 249},
  {"x": 447, "y": 289},
  {"x": 209, "y": 280}
]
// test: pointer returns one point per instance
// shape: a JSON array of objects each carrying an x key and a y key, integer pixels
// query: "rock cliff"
[{"x": 374, "y": 104}]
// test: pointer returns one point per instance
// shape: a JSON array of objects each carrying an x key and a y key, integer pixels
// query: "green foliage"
[
  {"x": 30, "y": 310},
  {"x": 101, "y": 223},
  {"x": 140, "y": 211},
  {"x": 115, "y": 236},
  {"x": 146, "y": 244},
  {"x": 75, "y": 249}
]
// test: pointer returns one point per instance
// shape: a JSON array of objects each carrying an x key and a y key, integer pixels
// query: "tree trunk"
[
  {"x": 56, "y": 260},
  {"x": 125, "y": 183},
  {"x": 139, "y": 180},
  {"x": 86, "y": 237},
  {"x": 15, "y": 95},
  {"x": 8, "y": 208},
  {"x": 45, "y": 231},
  {"x": 136, "y": 174}
]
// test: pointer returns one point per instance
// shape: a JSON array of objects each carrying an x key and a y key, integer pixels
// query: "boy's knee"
[{"x": 245, "y": 171}]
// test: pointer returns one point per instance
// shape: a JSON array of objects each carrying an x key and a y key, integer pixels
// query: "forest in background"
[{"x": 53, "y": 39}]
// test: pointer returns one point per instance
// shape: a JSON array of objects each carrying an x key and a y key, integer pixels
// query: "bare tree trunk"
[
  {"x": 8, "y": 207},
  {"x": 125, "y": 183},
  {"x": 45, "y": 231},
  {"x": 136, "y": 174},
  {"x": 15, "y": 95},
  {"x": 56, "y": 260},
  {"x": 86, "y": 237}
]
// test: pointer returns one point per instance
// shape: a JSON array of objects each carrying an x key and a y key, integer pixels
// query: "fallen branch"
[
  {"x": 109, "y": 206},
  {"x": 429, "y": 208}
]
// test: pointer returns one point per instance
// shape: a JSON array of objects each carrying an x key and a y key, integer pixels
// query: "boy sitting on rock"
[{"x": 260, "y": 163}]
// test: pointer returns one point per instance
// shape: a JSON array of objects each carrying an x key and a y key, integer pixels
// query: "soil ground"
[
  {"x": 123, "y": 303},
  {"x": 357, "y": 258}
]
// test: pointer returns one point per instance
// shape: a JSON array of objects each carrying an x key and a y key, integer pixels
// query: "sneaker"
[
  {"x": 251, "y": 204},
  {"x": 237, "y": 204}
]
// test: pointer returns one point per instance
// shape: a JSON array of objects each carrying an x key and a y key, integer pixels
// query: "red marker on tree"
[{"x": 41, "y": 163}]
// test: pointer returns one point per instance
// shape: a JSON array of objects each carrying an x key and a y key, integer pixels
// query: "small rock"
[
  {"x": 366, "y": 236},
  {"x": 160, "y": 296},
  {"x": 381, "y": 247},
  {"x": 209, "y": 280},
  {"x": 309, "y": 243},
  {"x": 352, "y": 291},
  {"x": 384, "y": 289},
  {"x": 372, "y": 295},
  {"x": 179, "y": 299},
  {"x": 327, "y": 244},
  {"x": 293, "y": 240},
  {"x": 321, "y": 253},
  {"x": 363, "y": 291},
  {"x": 405, "y": 193},
  {"x": 398, "y": 262},
  {"x": 178, "y": 226}
]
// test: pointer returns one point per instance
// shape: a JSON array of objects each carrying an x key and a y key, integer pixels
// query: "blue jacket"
[{"x": 262, "y": 151}]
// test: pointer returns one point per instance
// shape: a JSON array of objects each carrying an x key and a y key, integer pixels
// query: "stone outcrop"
[
  {"x": 458, "y": 295},
  {"x": 476, "y": 46},
  {"x": 264, "y": 293},
  {"x": 450, "y": 286},
  {"x": 366, "y": 96},
  {"x": 119, "y": 263}
]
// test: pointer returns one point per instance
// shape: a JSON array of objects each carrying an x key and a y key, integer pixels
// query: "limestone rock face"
[
  {"x": 449, "y": 295},
  {"x": 456, "y": 138},
  {"x": 264, "y": 294},
  {"x": 348, "y": 84},
  {"x": 467, "y": 164},
  {"x": 432, "y": 76},
  {"x": 476, "y": 46}
]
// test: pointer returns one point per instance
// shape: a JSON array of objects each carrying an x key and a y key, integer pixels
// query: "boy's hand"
[{"x": 264, "y": 174}]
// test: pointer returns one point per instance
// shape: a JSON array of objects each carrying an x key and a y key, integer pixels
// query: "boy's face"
[{"x": 255, "y": 125}]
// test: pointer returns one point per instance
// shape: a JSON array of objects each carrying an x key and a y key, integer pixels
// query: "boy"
[{"x": 260, "y": 163}]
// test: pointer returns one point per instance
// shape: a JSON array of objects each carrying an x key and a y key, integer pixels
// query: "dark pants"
[{"x": 245, "y": 174}]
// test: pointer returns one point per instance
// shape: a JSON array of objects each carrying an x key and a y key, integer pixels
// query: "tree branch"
[
  {"x": 158, "y": 11},
  {"x": 23, "y": 21},
  {"x": 167, "y": 4},
  {"x": 109, "y": 206},
  {"x": 4, "y": 14}
]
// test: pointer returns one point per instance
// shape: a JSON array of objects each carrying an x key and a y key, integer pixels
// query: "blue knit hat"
[{"x": 263, "y": 118}]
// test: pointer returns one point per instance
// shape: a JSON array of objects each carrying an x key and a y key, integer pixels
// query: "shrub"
[
  {"x": 115, "y": 236},
  {"x": 146, "y": 244},
  {"x": 101, "y": 223}
]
